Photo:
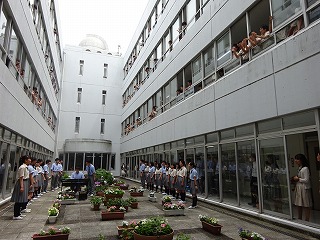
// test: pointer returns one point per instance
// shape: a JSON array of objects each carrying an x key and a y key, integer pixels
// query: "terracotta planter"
[
  {"x": 101, "y": 194},
  {"x": 174, "y": 212},
  {"x": 161, "y": 237},
  {"x": 134, "y": 205},
  {"x": 52, "y": 219},
  {"x": 121, "y": 228},
  {"x": 214, "y": 229},
  {"x": 58, "y": 236},
  {"x": 136, "y": 194},
  {"x": 124, "y": 187},
  {"x": 105, "y": 216},
  {"x": 95, "y": 207},
  {"x": 109, "y": 196}
]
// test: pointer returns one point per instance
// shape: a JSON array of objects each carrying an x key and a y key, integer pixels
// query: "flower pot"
[
  {"x": 109, "y": 196},
  {"x": 174, "y": 212},
  {"x": 52, "y": 219},
  {"x": 68, "y": 201},
  {"x": 121, "y": 228},
  {"x": 58, "y": 236},
  {"x": 136, "y": 194},
  {"x": 101, "y": 194},
  {"x": 95, "y": 207},
  {"x": 152, "y": 199},
  {"x": 137, "y": 236},
  {"x": 214, "y": 229},
  {"x": 124, "y": 187},
  {"x": 105, "y": 216},
  {"x": 134, "y": 205}
]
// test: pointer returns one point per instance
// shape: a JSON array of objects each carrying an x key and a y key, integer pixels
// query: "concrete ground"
[{"x": 86, "y": 224}]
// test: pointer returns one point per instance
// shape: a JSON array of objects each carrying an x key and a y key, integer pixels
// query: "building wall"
[{"x": 91, "y": 110}]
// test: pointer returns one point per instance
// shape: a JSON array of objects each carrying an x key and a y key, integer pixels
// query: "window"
[
  {"x": 196, "y": 69},
  {"x": 282, "y": 10},
  {"x": 104, "y": 93},
  {"x": 77, "y": 125},
  {"x": 79, "y": 95},
  {"x": 223, "y": 49},
  {"x": 3, "y": 24},
  {"x": 102, "y": 125},
  {"x": 105, "y": 70},
  {"x": 81, "y": 67}
]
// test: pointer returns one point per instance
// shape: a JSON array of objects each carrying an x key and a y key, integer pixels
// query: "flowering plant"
[
  {"x": 134, "y": 189},
  {"x": 154, "y": 226},
  {"x": 166, "y": 199},
  {"x": 53, "y": 211},
  {"x": 131, "y": 224},
  {"x": 173, "y": 206},
  {"x": 100, "y": 187},
  {"x": 116, "y": 191},
  {"x": 95, "y": 200},
  {"x": 210, "y": 220},
  {"x": 53, "y": 231},
  {"x": 132, "y": 200},
  {"x": 115, "y": 209},
  {"x": 119, "y": 202},
  {"x": 243, "y": 233},
  {"x": 57, "y": 204}
]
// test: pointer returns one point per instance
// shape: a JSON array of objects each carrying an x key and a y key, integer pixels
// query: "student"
[
  {"x": 147, "y": 173},
  {"x": 20, "y": 191},
  {"x": 152, "y": 177},
  {"x": 46, "y": 175},
  {"x": 173, "y": 175},
  {"x": 163, "y": 175},
  {"x": 36, "y": 180},
  {"x": 55, "y": 169},
  {"x": 157, "y": 175},
  {"x": 142, "y": 174},
  {"x": 77, "y": 175},
  {"x": 194, "y": 177},
  {"x": 40, "y": 176},
  {"x": 91, "y": 174},
  {"x": 302, "y": 192},
  {"x": 32, "y": 180},
  {"x": 181, "y": 184}
]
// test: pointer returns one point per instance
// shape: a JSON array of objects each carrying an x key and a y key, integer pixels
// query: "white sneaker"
[
  {"x": 41, "y": 194},
  {"x": 27, "y": 210},
  {"x": 192, "y": 207},
  {"x": 17, "y": 218},
  {"x": 22, "y": 215},
  {"x": 164, "y": 193},
  {"x": 52, "y": 190}
]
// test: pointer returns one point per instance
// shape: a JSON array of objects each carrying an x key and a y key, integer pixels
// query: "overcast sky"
[{"x": 114, "y": 20}]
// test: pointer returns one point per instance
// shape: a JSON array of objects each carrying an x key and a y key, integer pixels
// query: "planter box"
[
  {"x": 136, "y": 194},
  {"x": 52, "y": 219},
  {"x": 161, "y": 237},
  {"x": 58, "y": 236},
  {"x": 174, "y": 212},
  {"x": 152, "y": 199},
  {"x": 109, "y": 196},
  {"x": 68, "y": 201},
  {"x": 121, "y": 228},
  {"x": 105, "y": 216},
  {"x": 124, "y": 187},
  {"x": 101, "y": 194},
  {"x": 163, "y": 202},
  {"x": 214, "y": 229},
  {"x": 134, "y": 205}
]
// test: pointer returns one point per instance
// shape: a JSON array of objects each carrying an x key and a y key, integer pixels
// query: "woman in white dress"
[{"x": 302, "y": 192}]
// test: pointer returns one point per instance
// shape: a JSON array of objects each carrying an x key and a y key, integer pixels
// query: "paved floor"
[{"x": 86, "y": 224}]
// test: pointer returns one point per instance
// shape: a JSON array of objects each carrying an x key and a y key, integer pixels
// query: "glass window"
[
  {"x": 212, "y": 137},
  {"x": 14, "y": 46},
  {"x": 199, "y": 140},
  {"x": 196, "y": 69},
  {"x": 274, "y": 176},
  {"x": 283, "y": 10},
  {"x": 105, "y": 161},
  {"x": 189, "y": 142},
  {"x": 199, "y": 161},
  {"x": 190, "y": 12},
  {"x": 229, "y": 182},
  {"x": 173, "y": 88},
  {"x": 97, "y": 160},
  {"x": 3, "y": 158},
  {"x": 81, "y": 67},
  {"x": 208, "y": 61},
  {"x": 213, "y": 172},
  {"x": 270, "y": 126},
  {"x": 175, "y": 33},
  {"x": 79, "y": 95},
  {"x": 187, "y": 76},
  {"x": 180, "y": 144},
  {"x": 247, "y": 174},
  {"x": 313, "y": 14},
  {"x": 77, "y": 125},
  {"x": 227, "y": 134},
  {"x": 105, "y": 70},
  {"x": 7, "y": 135},
  {"x": 113, "y": 162},
  {"x": 71, "y": 162},
  {"x": 244, "y": 130},
  {"x": 3, "y": 24},
  {"x": 104, "y": 94},
  {"x": 167, "y": 146},
  {"x": 102, "y": 124},
  {"x": 223, "y": 49},
  {"x": 299, "y": 120}
]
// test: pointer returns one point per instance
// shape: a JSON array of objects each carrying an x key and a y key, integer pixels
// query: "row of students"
[{"x": 173, "y": 178}]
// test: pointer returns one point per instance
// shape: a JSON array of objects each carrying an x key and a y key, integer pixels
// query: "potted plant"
[
  {"x": 57, "y": 204},
  {"x": 126, "y": 226},
  {"x": 52, "y": 214},
  {"x": 96, "y": 202},
  {"x": 154, "y": 228},
  {"x": 210, "y": 224},
  {"x": 113, "y": 213},
  {"x": 104, "y": 176},
  {"x": 135, "y": 192},
  {"x": 248, "y": 235},
  {"x": 118, "y": 202},
  {"x": 172, "y": 209},
  {"x": 166, "y": 199},
  {"x": 113, "y": 193},
  {"x": 100, "y": 188},
  {"x": 133, "y": 202},
  {"x": 53, "y": 234},
  {"x": 67, "y": 197}
]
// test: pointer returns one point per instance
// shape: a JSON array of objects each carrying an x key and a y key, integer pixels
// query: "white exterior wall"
[
  {"x": 91, "y": 110},
  {"x": 281, "y": 81}
]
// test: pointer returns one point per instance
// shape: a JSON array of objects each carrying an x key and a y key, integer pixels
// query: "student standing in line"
[
  {"x": 194, "y": 177},
  {"x": 157, "y": 176},
  {"x": 169, "y": 171},
  {"x": 32, "y": 180},
  {"x": 91, "y": 176},
  {"x": 20, "y": 191},
  {"x": 173, "y": 176},
  {"x": 176, "y": 180},
  {"x": 302, "y": 192},
  {"x": 55, "y": 172},
  {"x": 36, "y": 180},
  {"x": 142, "y": 174},
  {"x": 182, "y": 175},
  {"x": 147, "y": 173},
  {"x": 163, "y": 175},
  {"x": 152, "y": 176},
  {"x": 46, "y": 175}
]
